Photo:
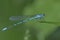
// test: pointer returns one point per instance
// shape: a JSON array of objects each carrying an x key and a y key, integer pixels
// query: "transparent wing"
[{"x": 17, "y": 18}]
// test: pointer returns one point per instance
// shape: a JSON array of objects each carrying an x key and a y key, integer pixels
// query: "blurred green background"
[{"x": 37, "y": 30}]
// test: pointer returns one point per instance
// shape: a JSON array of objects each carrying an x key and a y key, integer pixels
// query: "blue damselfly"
[{"x": 38, "y": 16}]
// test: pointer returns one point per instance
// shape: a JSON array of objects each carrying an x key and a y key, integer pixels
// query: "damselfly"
[{"x": 38, "y": 16}]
